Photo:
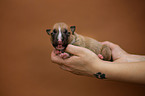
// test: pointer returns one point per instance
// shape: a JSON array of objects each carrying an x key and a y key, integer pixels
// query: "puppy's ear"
[
  {"x": 48, "y": 31},
  {"x": 72, "y": 28}
]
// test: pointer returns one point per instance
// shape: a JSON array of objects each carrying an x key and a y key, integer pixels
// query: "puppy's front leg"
[
  {"x": 57, "y": 52},
  {"x": 64, "y": 55}
]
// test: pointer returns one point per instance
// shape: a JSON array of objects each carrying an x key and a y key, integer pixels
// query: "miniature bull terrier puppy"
[{"x": 61, "y": 37}]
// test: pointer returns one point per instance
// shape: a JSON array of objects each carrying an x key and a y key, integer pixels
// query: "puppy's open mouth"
[{"x": 60, "y": 47}]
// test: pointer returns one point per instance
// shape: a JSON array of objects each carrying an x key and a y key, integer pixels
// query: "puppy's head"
[{"x": 60, "y": 35}]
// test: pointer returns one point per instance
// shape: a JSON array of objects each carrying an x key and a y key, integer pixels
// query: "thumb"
[{"x": 75, "y": 50}]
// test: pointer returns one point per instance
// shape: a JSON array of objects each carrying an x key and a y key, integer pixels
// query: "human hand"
[
  {"x": 119, "y": 55},
  {"x": 83, "y": 61}
]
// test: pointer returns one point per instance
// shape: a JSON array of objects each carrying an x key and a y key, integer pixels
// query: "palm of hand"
[{"x": 118, "y": 54}]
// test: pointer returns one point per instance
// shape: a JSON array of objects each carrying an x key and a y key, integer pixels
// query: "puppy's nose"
[{"x": 59, "y": 42}]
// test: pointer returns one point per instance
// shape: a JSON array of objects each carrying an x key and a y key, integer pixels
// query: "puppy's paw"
[
  {"x": 64, "y": 55},
  {"x": 57, "y": 52},
  {"x": 100, "y": 56}
]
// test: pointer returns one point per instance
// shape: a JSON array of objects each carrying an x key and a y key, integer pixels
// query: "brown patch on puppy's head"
[{"x": 60, "y": 35}]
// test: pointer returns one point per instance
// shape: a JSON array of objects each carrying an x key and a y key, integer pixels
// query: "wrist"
[
  {"x": 106, "y": 69},
  {"x": 98, "y": 66},
  {"x": 102, "y": 68},
  {"x": 135, "y": 58}
]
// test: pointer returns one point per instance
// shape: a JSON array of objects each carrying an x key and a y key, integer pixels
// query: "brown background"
[{"x": 25, "y": 66}]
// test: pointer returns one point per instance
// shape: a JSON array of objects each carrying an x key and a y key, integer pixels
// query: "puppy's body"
[
  {"x": 61, "y": 37},
  {"x": 91, "y": 44}
]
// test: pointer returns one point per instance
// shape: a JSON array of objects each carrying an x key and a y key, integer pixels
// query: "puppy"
[{"x": 61, "y": 37}]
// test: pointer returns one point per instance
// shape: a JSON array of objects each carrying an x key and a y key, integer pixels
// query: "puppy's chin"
[{"x": 62, "y": 48}]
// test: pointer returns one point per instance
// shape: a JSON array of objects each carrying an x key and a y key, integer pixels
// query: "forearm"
[{"x": 130, "y": 72}]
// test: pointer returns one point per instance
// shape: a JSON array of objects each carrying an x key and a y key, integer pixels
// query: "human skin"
[{"x": 125, "y": 67}]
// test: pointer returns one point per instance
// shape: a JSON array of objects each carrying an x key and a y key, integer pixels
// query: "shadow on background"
[{"x": 25, "y": 65}]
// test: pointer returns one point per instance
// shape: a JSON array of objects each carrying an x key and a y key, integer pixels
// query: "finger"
[
  {"x": 65, "y": 68},
  {"x": 110, "y": 44},
  {"x": 56, "y": 59},
  {"x": 75, "y": 50},
  {"x": 68, "y": 61}
]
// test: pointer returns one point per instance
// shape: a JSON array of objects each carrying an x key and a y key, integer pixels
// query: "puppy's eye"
[
  {"x": 54, "y": 31},
  {"x": 68, "y": 33},
  {"x": 65, "y": 31}
]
